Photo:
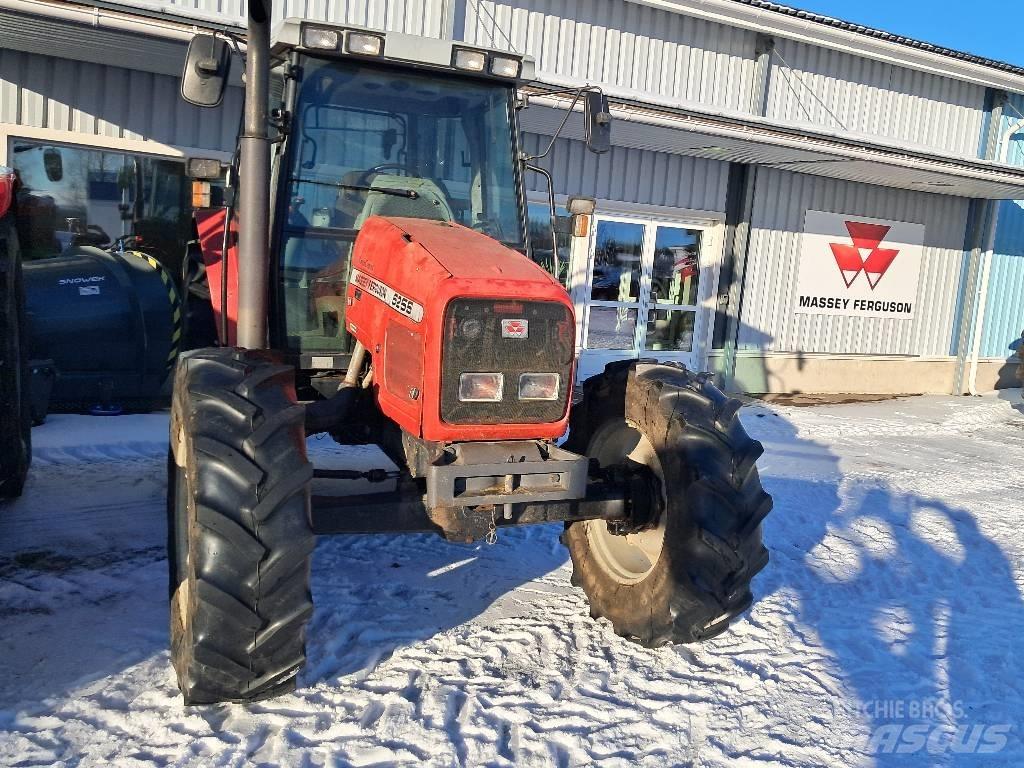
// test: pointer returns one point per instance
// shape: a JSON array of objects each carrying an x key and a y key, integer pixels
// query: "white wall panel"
[
  {"x": 873, "y": 98},
  {"x": 93, "y": 99},
  {"x": 671, "y": 56},
  {"x": 767, "y": 319},
  {"x": 416, "y": 17},
  {"x": 631, "y": 175}
]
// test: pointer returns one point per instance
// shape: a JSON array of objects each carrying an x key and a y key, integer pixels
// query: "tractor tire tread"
[
  {"x": 713, "y": 546},
  {"x": 250, "y": 480}
]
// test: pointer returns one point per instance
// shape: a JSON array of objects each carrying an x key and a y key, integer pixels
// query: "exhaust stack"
[{"x": 254, "y": 184}]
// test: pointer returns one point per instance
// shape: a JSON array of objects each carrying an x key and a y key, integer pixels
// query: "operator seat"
[{"x": 430, "y": 202}]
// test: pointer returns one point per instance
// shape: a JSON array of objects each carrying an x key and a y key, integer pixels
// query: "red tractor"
[{"x": 368, "y": 280}]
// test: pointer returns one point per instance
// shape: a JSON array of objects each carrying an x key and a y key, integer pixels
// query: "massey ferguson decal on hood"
[
  {"x": 852, "y": 265},
  {"x": 515, "y": 329}
]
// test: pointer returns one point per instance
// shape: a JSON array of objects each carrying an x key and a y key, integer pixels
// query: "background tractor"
[
  {"x": 15, "y": 403},
  {"x": 367, "y": 279}
]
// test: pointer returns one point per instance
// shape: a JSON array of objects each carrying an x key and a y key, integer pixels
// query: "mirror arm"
[
  {"x": 558, "y": 131},
  {"x": 233, "y": 40},
  {"x": 551, "y": 208}
]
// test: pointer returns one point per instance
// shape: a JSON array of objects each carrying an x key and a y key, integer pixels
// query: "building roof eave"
[
  {"x": 737, "y": 138},
  {"x": 855, "y": 39}
]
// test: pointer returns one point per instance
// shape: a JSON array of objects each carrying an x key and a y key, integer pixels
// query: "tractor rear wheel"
[
  {"x": 685, "y": 573},
  {"x": 239, "y": 535},
  {"x": 15, "y": 397}
]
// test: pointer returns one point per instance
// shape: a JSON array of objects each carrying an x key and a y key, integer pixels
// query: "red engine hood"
[
  {"x": 465, "y": 253},
  {"x": 404, "y": 274}
]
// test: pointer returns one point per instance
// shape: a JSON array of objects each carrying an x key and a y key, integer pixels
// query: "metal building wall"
[
  {"x": 93, "y": 99},
  {"x": 767, "y": 319},
  {"x": 872, "y": 97},
  {"x": 630, "y": 175},
  {"x": 666, "y": 55},
  {"x": 670, "y": 57},
  {"x": 1004, "y": 307},
  {"x": 417, "y": 17}
]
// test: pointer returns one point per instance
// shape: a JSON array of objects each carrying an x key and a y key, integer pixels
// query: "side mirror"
[
  {"x": 205, "y": 75},
  {"x": 53, "y": 164},
  {"x": 203, "y": 168},
  {"x": 599, "y": 122}
]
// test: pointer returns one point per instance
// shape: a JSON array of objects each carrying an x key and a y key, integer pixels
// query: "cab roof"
[{"x": 398, "y": 48}]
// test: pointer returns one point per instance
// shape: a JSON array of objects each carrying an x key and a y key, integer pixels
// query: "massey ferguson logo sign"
[
  {"x": 865, "y": 255},
  {"x": 515, "y": 329},
  {"x": 851, "y": 265}
]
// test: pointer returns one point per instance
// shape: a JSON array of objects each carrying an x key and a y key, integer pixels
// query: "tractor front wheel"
[
  {"x": 239, "y": 535},
  {"x": 684, "y": 573}
]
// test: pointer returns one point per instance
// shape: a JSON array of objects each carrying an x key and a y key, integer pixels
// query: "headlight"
[
  {"x": 505, "y": 66},
  {"x": 474, "y": 61},
  {"x": 363, "y": 44},
  {"x": 539, "y": 386},
  {"x": 316, "y": 37},
  {"x": 481, "y": 387}
]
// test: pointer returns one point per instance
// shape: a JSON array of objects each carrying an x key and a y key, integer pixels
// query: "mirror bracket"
[
  {"x": 597, "y": 116},
  {"x": 556, "y": 267}
]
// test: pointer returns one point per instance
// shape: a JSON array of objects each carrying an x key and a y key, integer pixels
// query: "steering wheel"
[{"x": 364, "y": 177}]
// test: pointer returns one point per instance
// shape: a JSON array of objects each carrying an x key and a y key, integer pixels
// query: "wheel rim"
[{"x": 628, "y": 559}]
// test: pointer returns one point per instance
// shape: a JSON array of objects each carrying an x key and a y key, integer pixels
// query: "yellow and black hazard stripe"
[{"x": 175, "y": 300}]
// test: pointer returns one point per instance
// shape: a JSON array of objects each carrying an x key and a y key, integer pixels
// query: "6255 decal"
[{"x": 384, "y": 292}]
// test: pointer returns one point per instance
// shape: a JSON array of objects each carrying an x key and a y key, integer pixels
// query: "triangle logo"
[{"x": 864, "y": 255}]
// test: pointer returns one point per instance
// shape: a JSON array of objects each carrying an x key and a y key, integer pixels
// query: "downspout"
[{"x": 978, "y": 320}]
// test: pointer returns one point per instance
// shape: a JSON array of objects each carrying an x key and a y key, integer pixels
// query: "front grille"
[{"x": 473, "y": 343}]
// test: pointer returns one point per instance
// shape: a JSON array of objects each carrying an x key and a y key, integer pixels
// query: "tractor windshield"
[{"x": 371, "y": 140}]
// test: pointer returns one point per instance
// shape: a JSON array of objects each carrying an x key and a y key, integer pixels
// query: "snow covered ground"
[{"x": 886, "y": 629}]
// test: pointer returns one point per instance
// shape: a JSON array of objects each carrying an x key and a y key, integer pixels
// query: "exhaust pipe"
[{"x": 254, "y": 184}]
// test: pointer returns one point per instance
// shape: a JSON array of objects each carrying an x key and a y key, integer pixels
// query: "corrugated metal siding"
[
  {"x": 36, "y": 34},
  {"x": 630, "y": 175},
  {"x": 872, "y": 97},
  {"x": 47, "y": 92},
  {"x": 1004, "y": 306},
  {"x": 767, "y": 320},
  {"x": 674, "y": 57},
  {"x": 416, "y": 17}
]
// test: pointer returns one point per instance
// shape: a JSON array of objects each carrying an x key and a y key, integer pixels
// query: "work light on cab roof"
[{"x": 397, "y": 47}]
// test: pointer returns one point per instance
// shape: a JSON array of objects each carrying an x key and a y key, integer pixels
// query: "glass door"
[
  {"x": 644, "y": 294},
  {"x": 672, "y": 292}
]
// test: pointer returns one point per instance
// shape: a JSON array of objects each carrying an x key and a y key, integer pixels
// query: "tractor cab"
[
  {"x": 368, "y": 123},
  {"x": 376, "y": 124}
]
